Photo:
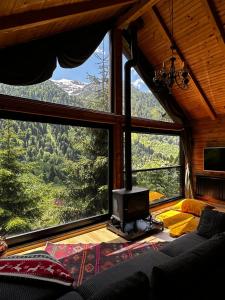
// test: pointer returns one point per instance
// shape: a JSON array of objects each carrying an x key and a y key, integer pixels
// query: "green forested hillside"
[
  {"x": 145, "y": 105},
  {"x": 154, "y": 151},
  {"x": 52, "y": 174},
  {"x": 61, "y": 169}
]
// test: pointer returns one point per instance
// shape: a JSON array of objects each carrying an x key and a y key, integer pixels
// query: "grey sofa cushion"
[
  {"x": 211, "y": 222},
  {"x": 194, "y": 274},
  {"x": 143, "y": 263},
  {"x": 29, "y": 289},
  {"x": 132, "y": 287},
  {"x": 183, "y": 244},
  {"x": 71, "y": 296}
]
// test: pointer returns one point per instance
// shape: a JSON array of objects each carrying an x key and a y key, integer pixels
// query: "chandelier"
[{"x": 168, "y": 75}]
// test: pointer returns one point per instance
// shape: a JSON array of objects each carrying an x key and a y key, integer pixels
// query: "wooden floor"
[
  {"x": 104, "y": 235},
  {"x": 93, "y": 235},
  {"x": 97, "y": 234}
]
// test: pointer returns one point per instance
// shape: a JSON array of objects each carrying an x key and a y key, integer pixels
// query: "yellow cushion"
[
  {"x": 191, "y": 206},
  {"x": 155, "y": 196},
  {"x": 185, "y": 226},
  {"x": 171, "y": 217},
  {"x": 178, "y": 222}
]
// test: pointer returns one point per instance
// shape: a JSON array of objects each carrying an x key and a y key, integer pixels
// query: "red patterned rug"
[{"x": 86, "y": 260}]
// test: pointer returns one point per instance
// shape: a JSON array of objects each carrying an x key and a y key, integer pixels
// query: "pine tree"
[
  {"x": 18, "y": 205},
  {"x": 87, "y": 179},
  {"x": 100, "y": 82}
]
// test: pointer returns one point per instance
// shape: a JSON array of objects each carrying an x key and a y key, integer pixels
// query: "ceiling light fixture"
[{"x": 168, "y": 75}]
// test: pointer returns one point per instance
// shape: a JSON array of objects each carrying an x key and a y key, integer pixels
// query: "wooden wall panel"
[{"x": 206, "y": 134}]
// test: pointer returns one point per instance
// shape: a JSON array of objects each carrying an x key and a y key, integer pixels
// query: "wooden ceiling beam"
[
  {"x": 215, "y": 22},
  {"x": 165, "y": 31},
  {"x": 134, "y": 13},
  {"x": 30, "y": 18}
]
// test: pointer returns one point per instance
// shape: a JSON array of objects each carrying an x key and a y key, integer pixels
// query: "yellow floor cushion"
[
  {"x": 192, "y": 206},
  {"x": 185, "y": 226},
  {"x": 178, "y": 222},
  {"x": 172, "y": 217}
]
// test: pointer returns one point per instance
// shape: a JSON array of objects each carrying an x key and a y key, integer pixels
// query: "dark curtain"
[
  {"x": 35, "y": 62},
  {"x": 27, "y": 64},
  {"x": 175, "y": 112}
]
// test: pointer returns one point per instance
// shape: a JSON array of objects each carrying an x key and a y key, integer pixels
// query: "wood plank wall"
[{"x": 206, "y": 133}]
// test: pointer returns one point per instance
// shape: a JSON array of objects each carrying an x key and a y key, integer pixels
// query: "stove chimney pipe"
[{"x": 127, "y": 95}]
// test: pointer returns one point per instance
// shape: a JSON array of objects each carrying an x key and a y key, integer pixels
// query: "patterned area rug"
[{"x": 86, "y": 260}]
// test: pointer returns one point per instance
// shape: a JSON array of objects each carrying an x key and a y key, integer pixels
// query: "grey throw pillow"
[{"x": 211, "y": 222}]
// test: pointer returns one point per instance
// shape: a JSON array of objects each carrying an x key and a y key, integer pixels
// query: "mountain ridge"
[{"x": 72, "y": 87}]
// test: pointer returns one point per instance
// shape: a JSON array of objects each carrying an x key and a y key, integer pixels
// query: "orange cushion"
[
  {"x": 172, "y": 217},
  {"x": 155, "y": 196},
  {"x": 185, "y": 226},
  {"x": 192, "y": 206}
]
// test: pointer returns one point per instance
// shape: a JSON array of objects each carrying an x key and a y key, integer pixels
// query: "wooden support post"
[
  {"x": 118, "y": 156},
  {"x": 117, "y": 107},
  {"x": 116, "y": 51}
]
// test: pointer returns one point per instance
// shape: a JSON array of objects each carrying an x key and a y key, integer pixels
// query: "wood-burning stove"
[{"x": 130, "y": 203}]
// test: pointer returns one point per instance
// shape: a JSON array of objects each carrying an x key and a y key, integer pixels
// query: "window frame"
[{"x": 181, "y": 159}]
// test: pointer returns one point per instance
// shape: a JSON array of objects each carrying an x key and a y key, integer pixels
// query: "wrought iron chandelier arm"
[{"x": 166, "y": 77}]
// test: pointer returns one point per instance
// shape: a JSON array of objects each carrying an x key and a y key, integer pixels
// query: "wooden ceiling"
[
  {"x": 198, "y": 32},
  {"x": 24, "y": 20},
  {"x": 199, "y": 38}
]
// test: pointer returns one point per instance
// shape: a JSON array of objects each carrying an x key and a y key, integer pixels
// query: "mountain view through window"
[{"x": 53, "y": 174}]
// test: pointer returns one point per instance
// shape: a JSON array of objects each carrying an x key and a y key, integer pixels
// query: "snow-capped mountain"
[
  {"x": 71, "y": 87},
  {"x": 140, "y": 85}
]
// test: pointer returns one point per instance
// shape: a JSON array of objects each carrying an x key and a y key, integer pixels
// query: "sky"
[{"x": 90, "y": 66}]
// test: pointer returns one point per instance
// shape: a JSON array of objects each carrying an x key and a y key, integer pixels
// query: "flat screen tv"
[{"x": 214, "y": 159}]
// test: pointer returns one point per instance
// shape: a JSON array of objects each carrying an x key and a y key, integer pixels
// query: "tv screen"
[{"x": 214, "y": 159}]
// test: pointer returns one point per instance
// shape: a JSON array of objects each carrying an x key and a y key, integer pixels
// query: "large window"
[
  {"x": 86, "y": 86},
  {"x": 51, "y": 174},
  {"x": 56, "y": 160},
  {"x": 156, "y": 165},
  {"x": 55, "y": 175}
]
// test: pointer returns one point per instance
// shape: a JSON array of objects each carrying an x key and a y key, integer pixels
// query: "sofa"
[{"x": 190, "y": 267}]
